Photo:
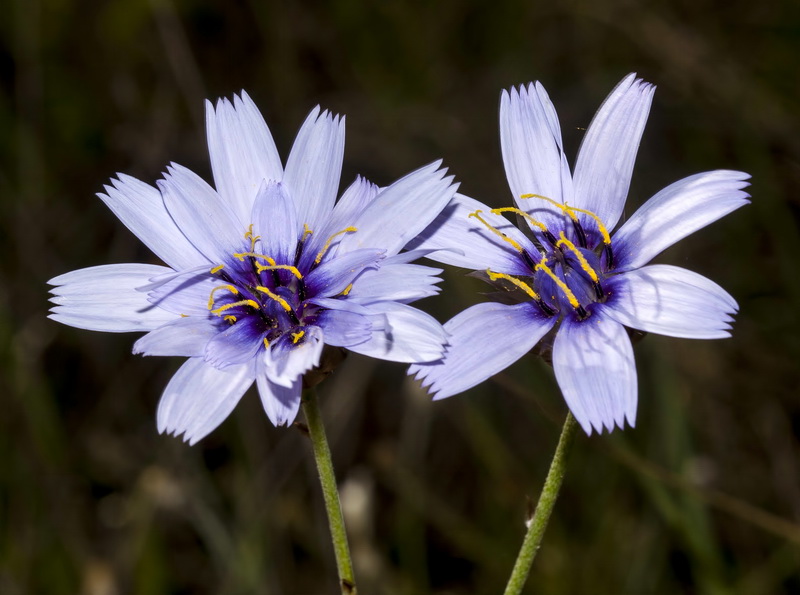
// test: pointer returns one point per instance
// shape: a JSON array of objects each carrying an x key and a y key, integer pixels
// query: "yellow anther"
[
  {"x": 230, "y": 288},
  {"x": 266, "y": 343},
  {"x": 217, "y": 269},
  {"x": 297, "y": 336},
  {"x": 229, "y": 318},
  {"x": 306, "y": 232},
  {"x": 327, "y": 245},
  {"x": 581, "y": 259},
  {"x": 573, "y": 301},
  {"x": 253, "y": 238},
  {"x": 477, "y": 215},
  {"x": 570, "y": 211},
  {"x": 242, "y": 255},
  {"x": 521, "y": 284},
  {"x": 600, "y": 227},
  {"x": 275, "y": 297},
  {"x": 274, "y": 267},
  {"x": 184, "y": 316},
  {"x": 522, "y": 213},
  {"x": 251, "y": 303},
  {"x": 347, "y": 289}
]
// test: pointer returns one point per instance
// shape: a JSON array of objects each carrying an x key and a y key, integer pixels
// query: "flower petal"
[
  {"x": 402, "y": 333},
  {"x": 345, "y": 214},
  {"x": 340, "y": 303},
  {"x": 483, "y": 340},
  {"x": 185, "y": 337},
  {"x": 199, "y": 398},
  {"x": 593, "y": 362},
  {"x": 354, "y": 200},
  {"x": 671, "y": 301},
  {"x": 141, "y": 208},
  {"x": 460, "y": 240},
  {"x": 201, "y": 214},
  {"x": 396, "y": 282},
  {"x": 315, "y": 166},
  {"x": 333, "y": 276},
  {"x": 280, "y": 402},
  {"x": 238, "y": 344},
  {"x": 104, "y": 298},
  {"x": 343, "y": 328},
  {"x": 401, "y": 211},
  {"x": 675, "y": 212},
  {"x": 288, "y": 361},
  {"x": 275, "y": 220},
  {"x": 608, "y": 151},
  {"x": 242, "y": 152},
  {"x": 184, "y": 294},
  {"x": 530, "y": 138}
]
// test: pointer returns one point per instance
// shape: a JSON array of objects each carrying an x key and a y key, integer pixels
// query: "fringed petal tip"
[
  {"x": 520, "y": 92},
  {"x": 594, "y": 366},
  {"x": 281, "y": 403},
  {"x": 598, "y": 427},
  {"x": 183, "y": 434},
  {"x": 199, "y": 398},
  {"x": 421, "y": 373}
]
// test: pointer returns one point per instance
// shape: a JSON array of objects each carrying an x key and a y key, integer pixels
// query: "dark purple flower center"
[
  {"x": 269, "y": 296},
  {"x": 566, "y": 275}
]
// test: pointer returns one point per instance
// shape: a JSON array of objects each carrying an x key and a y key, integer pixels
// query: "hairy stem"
[
  {"x": 544, "y": 508},
  {"x": 327, "y": 478}
]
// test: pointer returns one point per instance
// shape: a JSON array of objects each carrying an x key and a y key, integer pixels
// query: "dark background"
[{"x": 702, "y": 497}]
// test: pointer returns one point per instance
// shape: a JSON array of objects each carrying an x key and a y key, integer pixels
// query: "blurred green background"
[{"x": 703, "y": 496}]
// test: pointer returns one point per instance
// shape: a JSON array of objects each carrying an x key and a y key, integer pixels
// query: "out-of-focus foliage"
[{"x": 702, "y": 497}]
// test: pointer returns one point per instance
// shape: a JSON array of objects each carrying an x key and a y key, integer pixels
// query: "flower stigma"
[
  {"x": 328, "y": 243},
  {"x": 477, "y": 215}
]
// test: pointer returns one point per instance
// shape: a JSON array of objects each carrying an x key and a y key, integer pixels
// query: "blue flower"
[
  {"x": 572, "y": 277},
  {"x": 263, "y": 270}
]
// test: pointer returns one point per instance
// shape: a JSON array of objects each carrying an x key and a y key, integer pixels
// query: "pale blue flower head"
[
  {"x": 263, "y": 270},
  {"x": 572, "y": 276}
]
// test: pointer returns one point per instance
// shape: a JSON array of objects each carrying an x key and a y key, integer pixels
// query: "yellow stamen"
[
  {"x": 184, "y": 316},
  {"x": 249, "y": 236},
  {"x": 297, "y": 336},
  {"x": 522, "y": 213},
  {"x": 600, "y": 227},
  {"x": 477, "y": 215},
  {"x": 274, "y": 267},
  {"x": 275, "y": 297},
  {"x": 251, "y": 303},
  {"x": 327, "y": 245},
  {"x": 266, "y": 343},
  {"x": 229, "y": 318},
  {"x": 217, "y": 269},
  {"x": 573, "y": 301},
  {"x": 581, "y": 259},
  {"x": 241, "y": 256},
  {"x": 230, "y": 288},
  {"x": 306, "y": 232},
  {"x": 570, "y": 211},
  {"x": 521, "y": 284},
  {"x": 347, "y": 289}
]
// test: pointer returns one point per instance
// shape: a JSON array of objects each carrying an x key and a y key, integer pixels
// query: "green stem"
[
  {"x": 322, "y": 456},
  {"x": 543, "y": 509}
]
